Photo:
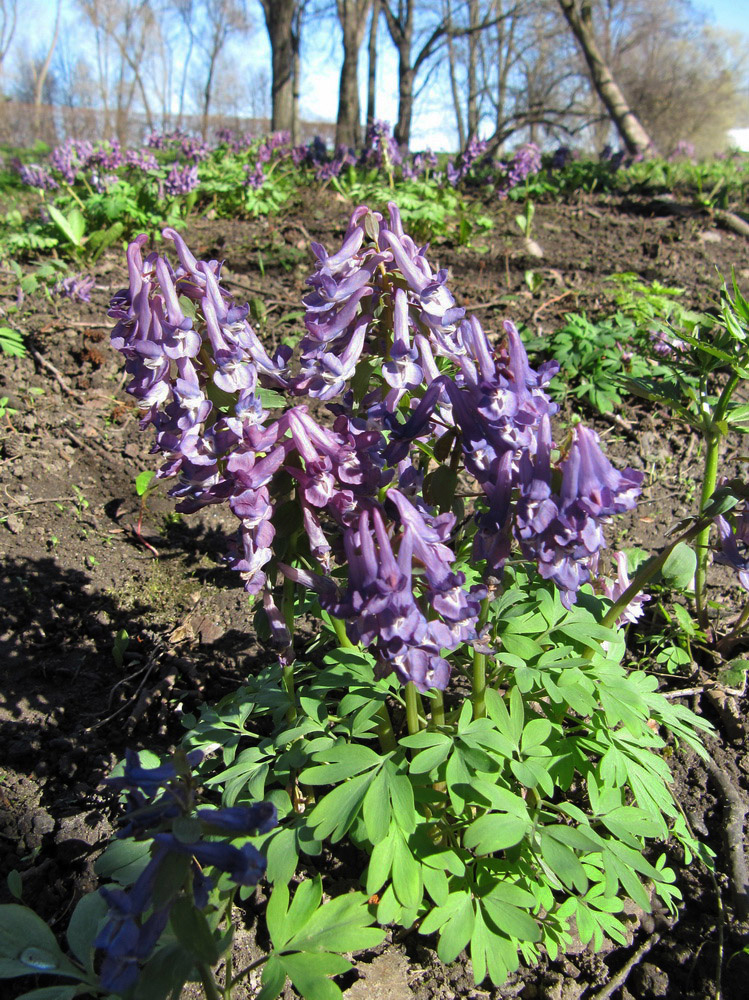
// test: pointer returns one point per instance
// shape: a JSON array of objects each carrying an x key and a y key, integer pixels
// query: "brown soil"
[{"x": 74, "y": 573}]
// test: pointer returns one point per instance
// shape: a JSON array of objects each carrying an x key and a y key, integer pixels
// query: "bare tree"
[
  {"x": 452, "y": 65},
  {"x": 682, "y": 78},
  {"x": 579, "y": 16},
  {"x": 223, "y": 18},
  {"x": 284, "y": 42},
  {"x": 186, "y": 10},
  {"x": 372, "y": 62},
  {"x": 130, "y": 26},
  {"x": 433, "y": 33},
  {"x": 44, "y": 69},
  {"x": 8, "y": 21},
  {"x": 353, "y": 17}
]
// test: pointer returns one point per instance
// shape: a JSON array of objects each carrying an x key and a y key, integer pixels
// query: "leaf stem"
[
  {"x": 646, "y": 573},
  {"x": 412, "y": 709},
  {"x": 212, "y": 991},
  {"x": 479, "y": 668},
  {"x": 709, "y": 480},
  {"x": 246, "y": 970},
  {"x": 438, "y": 708}
]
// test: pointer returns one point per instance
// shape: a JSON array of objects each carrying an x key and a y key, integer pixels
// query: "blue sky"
[{"x": 433, "y": 121}]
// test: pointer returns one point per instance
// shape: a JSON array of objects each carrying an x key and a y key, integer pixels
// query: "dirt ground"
[{"x": 74, "y": 573}]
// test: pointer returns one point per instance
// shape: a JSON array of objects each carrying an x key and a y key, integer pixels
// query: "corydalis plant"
[{"x": 417, "y": 392}]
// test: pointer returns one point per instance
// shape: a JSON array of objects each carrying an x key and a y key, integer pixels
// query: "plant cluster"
[{"x": 461, "y": 712}]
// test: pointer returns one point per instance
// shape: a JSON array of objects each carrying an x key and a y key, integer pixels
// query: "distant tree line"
[{"x": 506, "y": 70}]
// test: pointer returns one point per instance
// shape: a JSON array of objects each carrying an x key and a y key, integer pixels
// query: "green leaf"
[
  {"x": 402, "y": 801},
  {"x": 406, "y": 874},
  {"x": 376, "y": 808},
  {"x": 343, "y": 924},
  {"x": 273, "y": 980},
  {"x": 495, "y": 832},
  {"x": 510, "y": 919},
  {"x": 282, "y": 856},
  {"x": 307, "y": 898},
  {"x": 123, "y": 861},
  {"x": 432, "y": 757},
  {"x": 564, "y": 863},
  {"x": 456, "y": 932},
  {"x": 309, "y": 972},
  {"x": 679, "y": 569},
  {"x": 275, "y": 916},
  {"x": 143, "y": 481},
  {"x": 334, "y": 814},
  {"x": 535, "y": 734},
  {"x": 342, "y": 761},
  {"x": 193, "y": 932},
  {"x": 164, "y": 974},
  {"x": 28, "y": 947},
  {"x": 15, "y": 884},
  {"x": 380, "y": 862},
  {"x": 84, "y": 925},
  {"x": 72, "y": 227},
  {"x": 171, "y": 876},
  {"x": 270, "y": 399},
  {"x": 11, "y": 342},
  {"x": 51, "y": 993}
]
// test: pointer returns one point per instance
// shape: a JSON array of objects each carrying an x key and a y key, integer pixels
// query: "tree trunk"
[
  {"x": 279, "y": 19},
  {"x": 405, "y": 100},
  {"x": 452, "y": 68},
  {"x": 578, "y": 15},
  {"x": 42, "y": 75},
  {"x": 347, "y": 130},
  {"x": 372, "y": 67},
  {"x": 473, "y": 44},
  {"x": 353, "y": 17}
]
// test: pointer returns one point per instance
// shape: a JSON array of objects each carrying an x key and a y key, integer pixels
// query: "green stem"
[
  {"x": 385, "y": 731},
  {"x": 75, "y": 197},
  {"x": 289, "y": 590},
  {"x": 438, "y": 708},
  {"x": 288, "y": 686},
  {"x": 412, "y": 709},
  {"x": 339, "y": 628},
  {"x": 479, "y": 668},
  {"x": 646, "y": 573},
  {"x": 709, "y": 480},
  {"x": 212, "y": 991},
  {"x": 247, "y": 969}
]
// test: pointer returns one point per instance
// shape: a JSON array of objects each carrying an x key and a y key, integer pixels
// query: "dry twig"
[
  {"x": 734, "y": 833},
  {"x": 621, "y": 977}
]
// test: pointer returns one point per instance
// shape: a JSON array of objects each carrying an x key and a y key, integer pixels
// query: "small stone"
[
  {"x": 385, "y": 978},
  {"x": 42, "y": 822},
  {"x": 651, "y": 982},
  {"x": 709, "y": 236},
  {"x": 14, "y": 524}
]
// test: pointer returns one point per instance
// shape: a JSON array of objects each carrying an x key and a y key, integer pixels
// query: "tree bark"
[
  {"x": 372, "y": 63},
  {"x": 454, "y": 88},
  {"x": 472, "y": 116},
  {"x": 42, "y": 75},
  {"x": 353, "y": 17},
  {"x": 579, "y": 17},
  {"x": 279, "y": 19}
]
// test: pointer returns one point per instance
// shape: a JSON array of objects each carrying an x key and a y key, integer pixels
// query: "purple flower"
[
  {"x": 734, "y": 543},
  {"x": 138, "y": 916},
  {"x": 78, "y": 286},
  {"x": 613, "y": 589},
  {"x": 38, "y": 177},
  {"x": 181, "y": 180},
  {"x": 255, "y": 177}
]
